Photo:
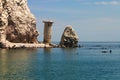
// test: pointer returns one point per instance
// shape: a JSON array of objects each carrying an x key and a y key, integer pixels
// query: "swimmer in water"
[{"x": 110, "y": 51}]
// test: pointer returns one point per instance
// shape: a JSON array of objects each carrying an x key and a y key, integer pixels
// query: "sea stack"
[
  {"x": 69, "y": 38},
  {"x": 17, "y": 24}
]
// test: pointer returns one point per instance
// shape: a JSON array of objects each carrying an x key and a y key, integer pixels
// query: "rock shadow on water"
[
  {"x": 70, "y": 50},
  {"x": 47, "y": 50}
]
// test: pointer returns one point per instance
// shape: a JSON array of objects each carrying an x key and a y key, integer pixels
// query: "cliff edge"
[{"x": 17, "y": 24}]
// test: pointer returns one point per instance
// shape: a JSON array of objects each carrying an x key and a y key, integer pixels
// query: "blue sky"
[{"x": 93, "y": 20}]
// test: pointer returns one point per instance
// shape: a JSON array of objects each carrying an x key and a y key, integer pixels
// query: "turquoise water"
[{"x": 86, "y": 63}]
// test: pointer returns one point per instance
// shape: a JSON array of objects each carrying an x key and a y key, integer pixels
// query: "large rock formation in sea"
[
  {"x": 69, "y": 38},
  {"x": 17, "y": 24}
]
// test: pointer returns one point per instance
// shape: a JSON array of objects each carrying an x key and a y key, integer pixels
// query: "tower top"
[{"x": 48, "y": 21}]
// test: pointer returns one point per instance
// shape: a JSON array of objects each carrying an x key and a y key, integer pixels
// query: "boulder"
[
  {"x": 69, "y": 38},
  {"x": 17, "y": 24}
]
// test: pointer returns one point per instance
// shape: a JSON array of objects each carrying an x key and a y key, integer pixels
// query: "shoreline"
[{"x": 25, "y": 45}]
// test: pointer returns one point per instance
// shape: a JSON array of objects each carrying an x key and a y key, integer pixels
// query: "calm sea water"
[{"x": 86, "y": 63}]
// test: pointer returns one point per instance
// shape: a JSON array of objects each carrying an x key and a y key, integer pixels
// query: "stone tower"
[{"x": 47, "y": 31}]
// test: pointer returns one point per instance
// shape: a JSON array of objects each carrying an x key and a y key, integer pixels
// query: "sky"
[{"x": 93, "y": 20}]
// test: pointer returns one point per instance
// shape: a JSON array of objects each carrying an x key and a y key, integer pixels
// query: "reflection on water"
[
  {"x": 31, "y": 64},
  {"x": 47, "y": 50},
  {"x": 14, "y": 62},
  {"x": 59, "y": 64},
  {"x": 69, "y": 50}
]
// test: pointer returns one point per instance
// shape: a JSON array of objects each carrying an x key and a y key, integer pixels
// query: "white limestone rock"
[{"x": 17, "y": 22}]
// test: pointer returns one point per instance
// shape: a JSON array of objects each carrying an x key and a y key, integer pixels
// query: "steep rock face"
[
  {"x": 69, "y": 38},
  {"x": 17, "y": 24}
]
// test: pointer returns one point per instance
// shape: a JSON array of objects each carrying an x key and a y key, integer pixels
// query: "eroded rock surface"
[
  {"x": 17, "y": 24},
  {"x": 69, "y": 38}
]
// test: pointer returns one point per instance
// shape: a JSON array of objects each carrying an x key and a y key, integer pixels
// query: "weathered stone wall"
[{"x": 17, "y": 21}]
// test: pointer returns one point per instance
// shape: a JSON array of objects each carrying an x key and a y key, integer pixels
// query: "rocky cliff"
[{"x": 17, "y": 24}]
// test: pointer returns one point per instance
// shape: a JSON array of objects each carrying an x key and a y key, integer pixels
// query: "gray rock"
[
  {"x": 17, "y": 24},
  {"x": 69, "y": 38}
]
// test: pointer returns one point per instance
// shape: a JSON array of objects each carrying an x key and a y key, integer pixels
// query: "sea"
[{"x": 91, "y": 61}]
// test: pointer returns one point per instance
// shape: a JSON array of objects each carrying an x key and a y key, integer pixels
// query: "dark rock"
[
  {"x": 69, "y": 38},
  {"x": 104, "y": 51}
]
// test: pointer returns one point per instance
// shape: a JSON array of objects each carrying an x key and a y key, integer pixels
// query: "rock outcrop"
[
  {"x": 17, "y": 24},
  {"x": 69, "y": 38}
]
